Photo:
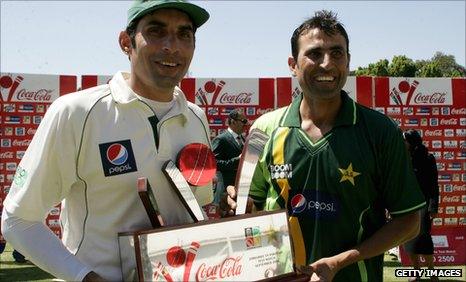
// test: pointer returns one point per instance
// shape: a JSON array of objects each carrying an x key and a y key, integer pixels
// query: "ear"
[
  {"x": 125, "y": 42},
  {"x": 292, "y": 65}
]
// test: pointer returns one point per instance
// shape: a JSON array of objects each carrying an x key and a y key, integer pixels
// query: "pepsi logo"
[
  {"x": 298, "y": 203},
  {"x": 117, "y": 154},
  {"x": 117, "y": 157}
]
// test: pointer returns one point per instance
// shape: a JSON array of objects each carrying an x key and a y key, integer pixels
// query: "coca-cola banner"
[
  {"x": 218, "y": 96},
  {"x": 436, "y": 107},
  {"x": 414, "y": 91},
  {"x": 358, "y": 88},
  {"x": 244, "y": 248},
  {"x": 25, "y": 99}
]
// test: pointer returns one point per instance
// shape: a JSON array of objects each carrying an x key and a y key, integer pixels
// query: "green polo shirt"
[{"x": 336, "y": 190}]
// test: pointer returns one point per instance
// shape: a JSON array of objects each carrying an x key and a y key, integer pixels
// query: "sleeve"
[
  {"x": 223, "y": 164},
  {"x": 46, "y": 250},
  {"x": 398, "y": 183},
  {"x": 434, "y": 198},
  {"x": 48, "y": 169}
]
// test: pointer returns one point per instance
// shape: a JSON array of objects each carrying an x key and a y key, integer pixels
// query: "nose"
[
  {"x": 326, "y": 61},
  {"x": 170, "y": 44}
]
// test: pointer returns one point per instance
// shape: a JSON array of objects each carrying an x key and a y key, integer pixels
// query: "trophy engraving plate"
[
  {"x": 182, "y": 189},
  {"x": 255, "y": 143}
]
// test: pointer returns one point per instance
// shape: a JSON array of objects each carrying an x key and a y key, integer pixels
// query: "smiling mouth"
[
  {"x": 325, "y": 78},
  {"x": 168, "y": 64}
]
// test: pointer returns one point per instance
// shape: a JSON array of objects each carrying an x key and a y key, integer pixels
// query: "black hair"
[
  {"x": 233, "y": 115},
  {"x": 413, "y": 138},
  {"x": 325, "y": 20}
]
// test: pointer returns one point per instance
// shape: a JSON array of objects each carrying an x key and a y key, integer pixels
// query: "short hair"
[
  {"x": 132, "y": 26},
  {"x": 325, "y": 20},
  {"x": 233, "y": 115},
  {"x": 413, "y": 138}
]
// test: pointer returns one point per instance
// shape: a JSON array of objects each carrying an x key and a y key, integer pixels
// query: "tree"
[
  {"x": 430, "y": 69},
  {"x": 447, "y": 65},
  {"x": 402, "y": 66},
  {"x": 440, "y": 65},
  {"x": 378, "y": 69}
]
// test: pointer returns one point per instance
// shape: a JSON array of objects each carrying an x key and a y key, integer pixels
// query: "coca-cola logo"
[
  {"x": 263, "y": 111},
  {"x": 6, "y": 155},
  {"x": 451, "y": 199},
  {"x": 240, "y": 98},
  {"x": 228, "y": 268},
  {"x": 434, "y": 98},
  {"x": 31, "y": 131},
  {"x": 450, "y": 121},
  {"x": 24, "y": 142},
  {"x": 459, "y": 188},
  {"x": 41, "y": 95},
  {"x": 431, "y": 133},
  {"x": 460, "y": 111}
]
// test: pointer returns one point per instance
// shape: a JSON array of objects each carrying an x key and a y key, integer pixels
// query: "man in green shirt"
[{"x": 335, "y": 165}]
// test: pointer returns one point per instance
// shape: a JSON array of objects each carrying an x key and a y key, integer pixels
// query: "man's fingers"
[
  {"x": 231, "y": 191},
  {"x": 231, "y": 203}
]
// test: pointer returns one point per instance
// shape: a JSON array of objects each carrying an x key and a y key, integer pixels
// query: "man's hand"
[
  {"x": 93, "y": 277},
  {"x": 228, "y": 203},
  {"x": 324, "y": 269}
]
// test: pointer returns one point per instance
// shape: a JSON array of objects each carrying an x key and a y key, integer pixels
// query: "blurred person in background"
[
  {"x": 227, "y": 148},
  {"x": 425, "y": 169}
]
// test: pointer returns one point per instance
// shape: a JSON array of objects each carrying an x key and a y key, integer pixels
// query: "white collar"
[
  {"x": 235, "y": 135},
  {"x": 123, "y": 94}
]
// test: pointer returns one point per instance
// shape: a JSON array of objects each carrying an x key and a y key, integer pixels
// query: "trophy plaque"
[
  {"x": 148, "y": 200},
  {"x": 240, "y": 248},
  {"x": 253, "y": 147},
  {"x": 246, "y": 247}
]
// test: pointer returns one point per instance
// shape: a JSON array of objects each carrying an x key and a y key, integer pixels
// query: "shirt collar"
[
  {"x": 123, "y": 94},
  {"x": 232, "y": 132},
  {"x": 346, "y": 115}
]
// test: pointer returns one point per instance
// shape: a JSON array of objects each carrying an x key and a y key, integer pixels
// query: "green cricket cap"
[{"x": 141, "y": 8}]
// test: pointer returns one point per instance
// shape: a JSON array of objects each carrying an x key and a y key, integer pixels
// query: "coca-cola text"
[{"x": 229, "y": 267}]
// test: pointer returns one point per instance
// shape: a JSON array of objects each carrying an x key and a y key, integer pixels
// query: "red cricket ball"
[
  {"x": 176, "y": 256},
  {"x": 403, "y": 86},
  {"x": 6, "y": 81},
  {"x": 209, "y": 87}
]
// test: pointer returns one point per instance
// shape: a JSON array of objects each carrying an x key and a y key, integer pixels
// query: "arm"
[
  {"x": 394, "y": 233},
  {"x": 45, "y": 250},
  {"x": 43, "y": 179}
]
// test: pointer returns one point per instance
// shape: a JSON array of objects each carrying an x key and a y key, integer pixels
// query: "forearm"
[
  {"x": 394, "y": 233},
  {"x": 42, "y": 247}
]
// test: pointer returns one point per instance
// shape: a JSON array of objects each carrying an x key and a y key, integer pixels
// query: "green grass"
[{"x": 11, "y": 271}]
